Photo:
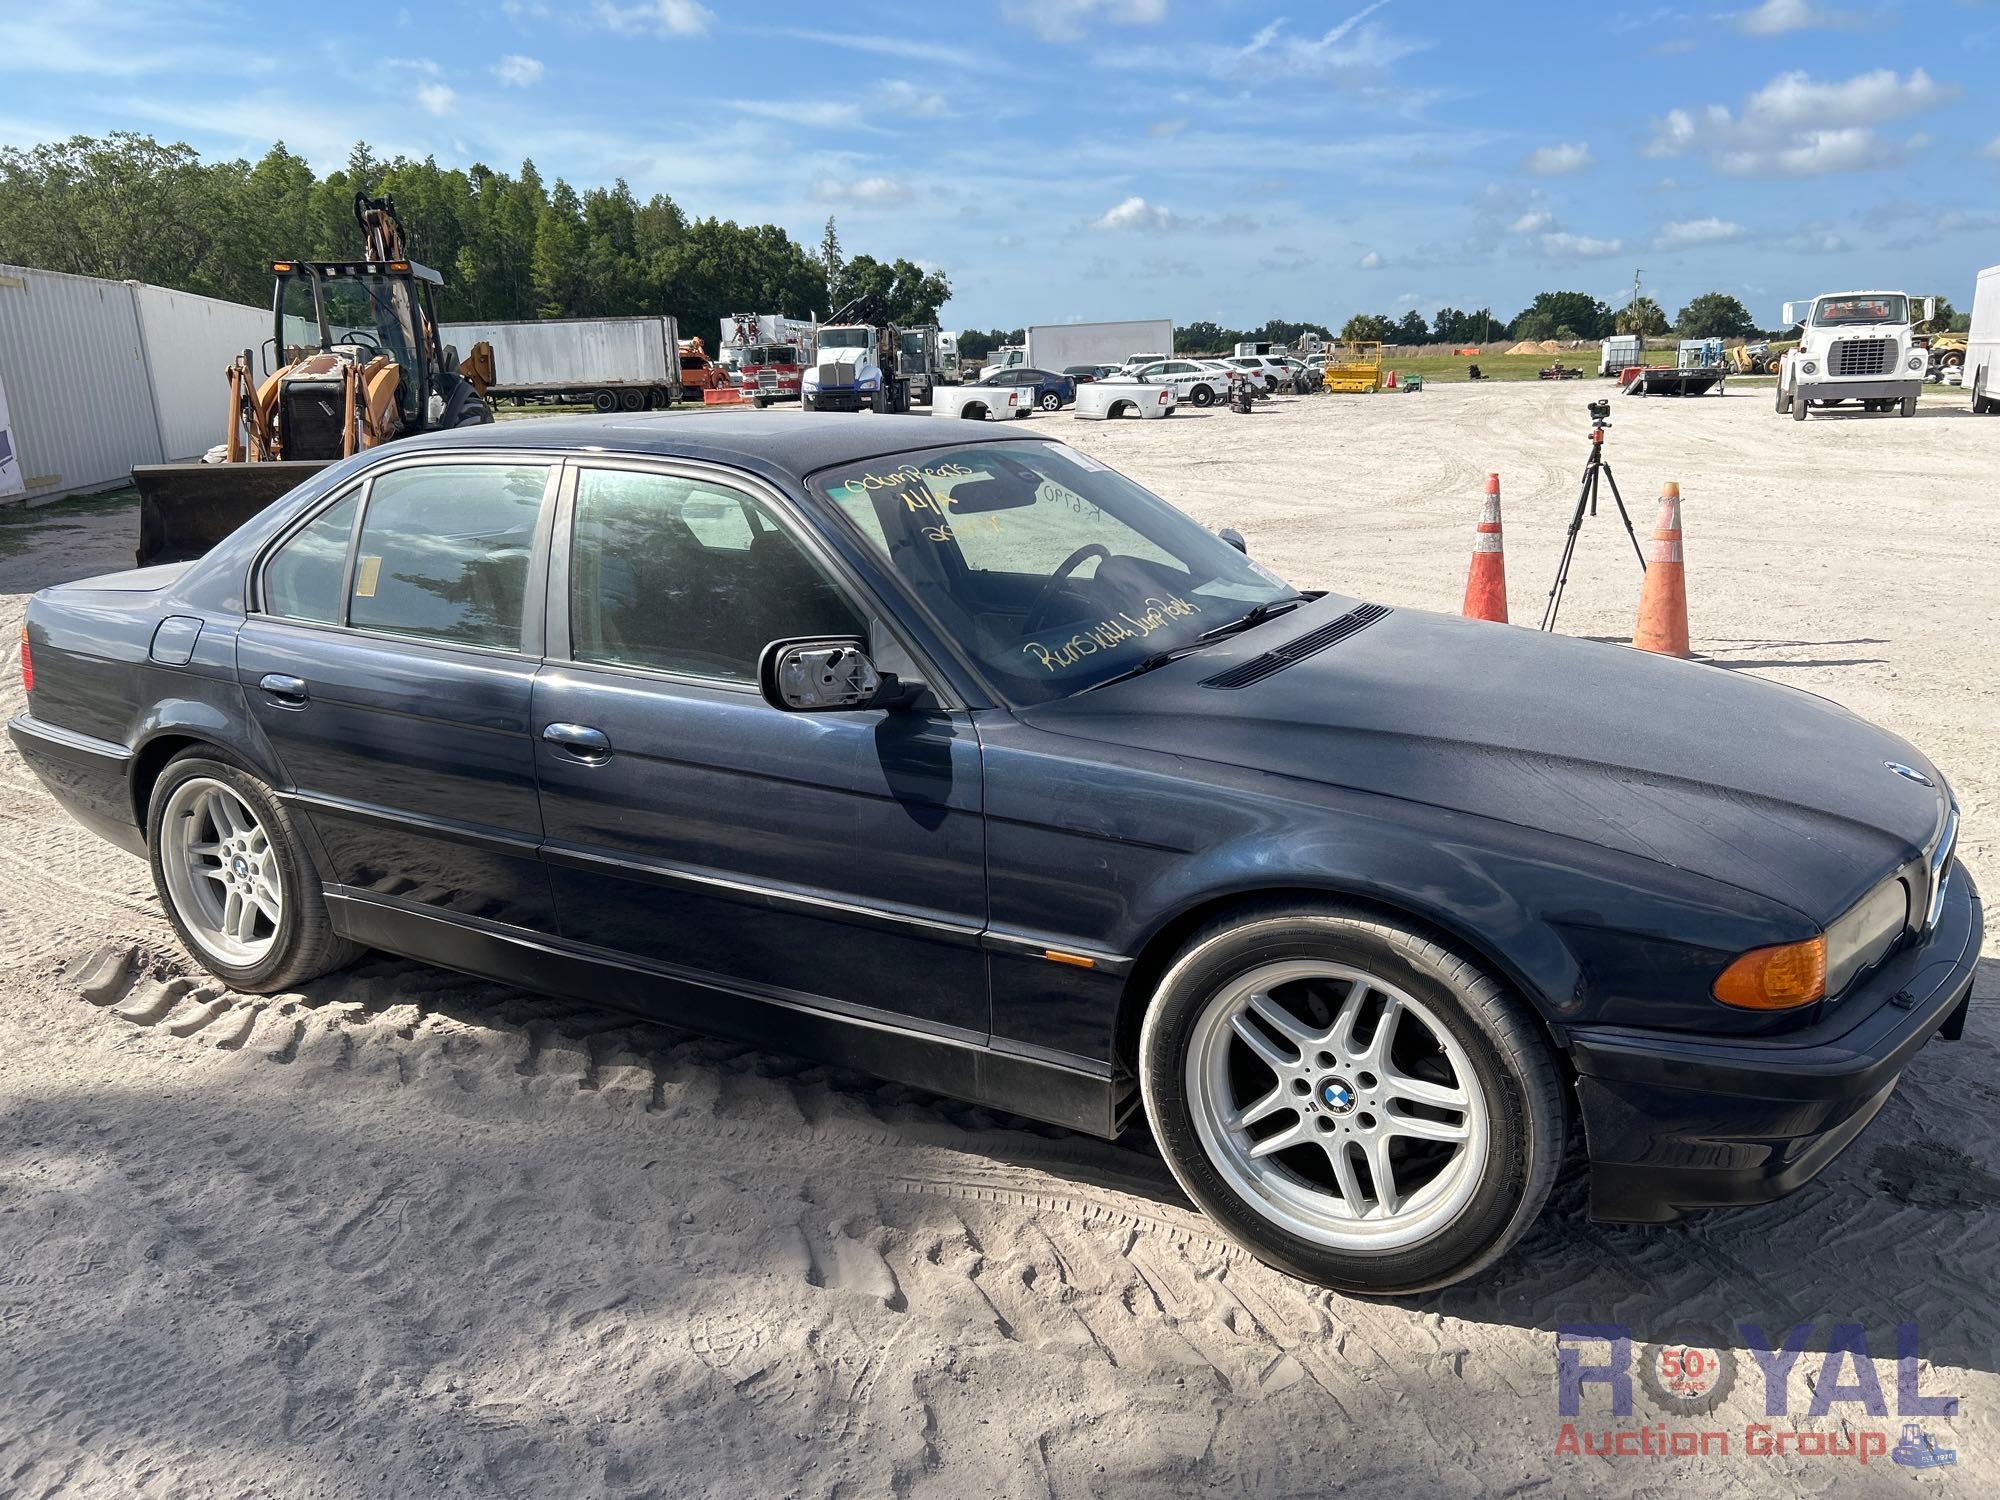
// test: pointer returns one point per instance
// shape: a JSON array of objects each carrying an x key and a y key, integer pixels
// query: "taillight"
[{"x": 27, "y": 663}]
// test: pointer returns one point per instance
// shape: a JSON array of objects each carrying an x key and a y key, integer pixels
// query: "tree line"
[
  {"x": 1580, "y": 316},
  {"x": 509, "y": 246}
]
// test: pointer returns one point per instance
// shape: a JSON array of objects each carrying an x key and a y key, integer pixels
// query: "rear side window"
[
  {"x": 444, "y": 550},
  {"x": 302, "y": 580}
]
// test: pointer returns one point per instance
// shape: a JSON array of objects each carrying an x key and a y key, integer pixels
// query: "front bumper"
[
  {"x": 1861, "y": 390},
  {"x": 1676, "y": 1123}
]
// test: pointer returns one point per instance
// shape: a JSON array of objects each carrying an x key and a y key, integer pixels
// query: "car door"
[
  {"x": 833, "y": 860},
  {"x": 389, "y": 656}
]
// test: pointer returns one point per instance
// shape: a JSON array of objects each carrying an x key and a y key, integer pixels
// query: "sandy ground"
[{"x": 406, "y": 1234}]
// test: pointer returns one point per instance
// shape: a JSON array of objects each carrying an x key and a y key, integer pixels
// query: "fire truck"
[{"x": 765, "y": 354}]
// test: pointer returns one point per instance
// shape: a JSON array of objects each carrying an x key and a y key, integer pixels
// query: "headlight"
[
  {"x": 1916, "y": 361},
  {"x": 1860, "y": 939},
  {"x": 1810, "y": 367}
]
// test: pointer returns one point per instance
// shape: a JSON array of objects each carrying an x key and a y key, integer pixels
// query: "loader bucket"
[{"x": 185, "y": 509}]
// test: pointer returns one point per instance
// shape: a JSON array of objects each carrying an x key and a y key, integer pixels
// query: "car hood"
[{"x": 1763, "y": 787}]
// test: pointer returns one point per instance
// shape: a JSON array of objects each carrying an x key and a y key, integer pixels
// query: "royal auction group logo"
[{"x": 1689, "y": 1373}]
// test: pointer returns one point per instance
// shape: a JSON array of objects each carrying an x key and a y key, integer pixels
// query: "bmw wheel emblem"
[
  {"x": 1909, "y": 773},
  {"x": 1337, "y": 1095}
]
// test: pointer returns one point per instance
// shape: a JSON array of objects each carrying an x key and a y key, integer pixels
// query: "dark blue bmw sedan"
[{"x": 958, "y": 757}]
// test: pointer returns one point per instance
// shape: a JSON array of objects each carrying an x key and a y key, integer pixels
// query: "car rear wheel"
[
  {"x": 1051, "y": 401},
  {"x": 235, "y": 879},
  {"x": 1350, "y": 1101}
]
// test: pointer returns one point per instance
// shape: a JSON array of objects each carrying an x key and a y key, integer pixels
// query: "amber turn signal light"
[{"x": 1779, "y": 978}]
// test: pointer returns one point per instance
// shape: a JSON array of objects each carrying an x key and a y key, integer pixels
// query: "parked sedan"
[
  {"x": 944, "y": 751},
  {"x": 1084, "y": 374},
  {"x": 1052, "y": 391},
  {"x": 1192, "y": 380}
]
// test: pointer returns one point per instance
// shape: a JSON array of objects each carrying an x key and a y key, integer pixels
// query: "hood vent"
[{"x": 1310, "y": 644}]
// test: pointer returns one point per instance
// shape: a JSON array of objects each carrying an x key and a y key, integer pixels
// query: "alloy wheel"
[
  {"x": 1337, "y": 1105},
  {"x": 221, "y": 871}
]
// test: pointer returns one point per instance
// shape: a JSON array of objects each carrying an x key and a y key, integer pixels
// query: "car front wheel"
[
  {"x": 235, "y": 879},
  {"x": 1051, "y": 401},
  {"x": 1201, "y": 395},
  {"x": 1349, "y": 1100}
]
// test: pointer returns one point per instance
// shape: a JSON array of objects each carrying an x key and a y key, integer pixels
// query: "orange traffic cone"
[
  {"x": 1663, "y": 600},
  {"x": 1391, "y": 385},
  {"x": 1486, "y": 582}
]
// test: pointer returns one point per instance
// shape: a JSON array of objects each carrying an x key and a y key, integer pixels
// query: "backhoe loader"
[{"x": 354, "y": 362}]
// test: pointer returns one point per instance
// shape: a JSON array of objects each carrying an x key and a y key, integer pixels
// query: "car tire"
[
  {"x": 263, "y": 862},
  {"x": 1909, "y": 406},
  {"x": 1799, "y": 405},
  {"x": 808, "y": 403},
  {"x": 1784, "y": 401},
  {"x": 605, "y": 401},
  {"x": 1051, "y": 401},
  {"x": 1451, "y": 1206},
  {"x": 1201, "y": 395}
]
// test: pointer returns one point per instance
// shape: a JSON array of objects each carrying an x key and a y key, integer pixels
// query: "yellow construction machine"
[
  {"x": 1353, "y": 368},
  {"x": 353, "y": 362}
]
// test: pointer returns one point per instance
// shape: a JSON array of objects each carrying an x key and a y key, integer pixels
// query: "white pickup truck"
[
  {"x": 978, "y": 402},
  {"x": 1120, "y": 395},
  {"x": 1853, "y": 346}
]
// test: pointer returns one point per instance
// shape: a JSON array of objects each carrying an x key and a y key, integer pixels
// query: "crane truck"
[{"x": 858, "y": 362}]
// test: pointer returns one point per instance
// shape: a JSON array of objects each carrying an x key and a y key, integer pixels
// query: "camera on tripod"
[{"x": 1600, "y": 413}]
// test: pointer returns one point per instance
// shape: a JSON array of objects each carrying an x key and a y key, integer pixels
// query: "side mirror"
[
  {"x": 1792, "y": 316},
  {"x": 820, "y": 674},
  {"x": 1235, "y": 539},
  {"x": 1930, "y": 309},
  {"x": 268, "y": 355}
]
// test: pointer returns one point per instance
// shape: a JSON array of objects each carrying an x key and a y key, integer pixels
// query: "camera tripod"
[{"x": 1586, "y": 497}]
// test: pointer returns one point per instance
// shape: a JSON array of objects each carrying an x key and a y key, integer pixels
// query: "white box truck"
[
  {"x": 1982, "y": 343},
  {"x": 613, "y": 364},
  {"x": 1854, "y": 346},
  {"x": 1057, "y": 346}
]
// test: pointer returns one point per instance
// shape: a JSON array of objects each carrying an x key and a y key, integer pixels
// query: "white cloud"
[
  {"x": 1700, "y": 232},
  {"x": 1355, "y": 53},
  {"x": 1992, "y": 148},
  {"x": 1070, "y": 20},
  {"x": 436, "y": 98},
  {"x": 521, "y": 72},
  {"x": 828, "y": 115},
  {"x": 1566, "y": 246},
  {"x": 1559, "y": 161},
  {"x": 1163, "y": 129},
  {"x": 1798, "y": 126},
  {"x": 1776, "y": 17},
  {"x": 1135, "y": 213},
  {"x": 1533, "y": 223},
  {"x": 906, "y": 98},
  {"x": 1372, "y": 261},
  {"x": 668, "y": 17},
  {"x": 867, "y": 192}
]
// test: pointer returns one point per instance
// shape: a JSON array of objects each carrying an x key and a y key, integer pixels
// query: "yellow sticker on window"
[{"x": 367, "y": 576}]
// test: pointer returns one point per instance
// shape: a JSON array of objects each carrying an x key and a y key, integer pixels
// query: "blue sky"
[{"x": 1068, "y": 159}]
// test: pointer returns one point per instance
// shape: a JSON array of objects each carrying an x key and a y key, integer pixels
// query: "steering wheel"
[
  {"x": 361, "y": 336},
  {"x": 1046, "y": 597}
]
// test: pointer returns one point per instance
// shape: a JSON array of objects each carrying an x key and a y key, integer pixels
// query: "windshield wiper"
[
  {"x": 1150, "y": 664},
  {"x": 1270, "y": 609}
]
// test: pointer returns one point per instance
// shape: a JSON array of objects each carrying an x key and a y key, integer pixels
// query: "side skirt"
[{"x": 1033, "y": 1086}]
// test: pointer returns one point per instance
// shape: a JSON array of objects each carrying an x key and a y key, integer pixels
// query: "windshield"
[
  {"x": 844, "y": 338},
  {"x": 1839, "y": 312},
  {"x": 371, "y": 313},
  {"x": 1052, "y": 572},
  {"x": 771, "y": 354}
]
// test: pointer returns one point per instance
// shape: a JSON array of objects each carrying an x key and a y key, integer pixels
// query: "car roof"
[{"x": 778, "y": 444}]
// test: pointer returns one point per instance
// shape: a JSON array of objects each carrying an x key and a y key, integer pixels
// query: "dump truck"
[
  {"x": 611, "y": 364},
  {"x": 354, "y": 361}
]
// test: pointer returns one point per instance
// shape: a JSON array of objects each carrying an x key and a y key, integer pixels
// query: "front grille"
[
  {"x": 767, "y": 380},
  {"x": 1861, "y": 357},
  {"x": 1938, "y": 865},
  {"x": 1312, "y": 642},
  {"x": 312, "y": 416}
]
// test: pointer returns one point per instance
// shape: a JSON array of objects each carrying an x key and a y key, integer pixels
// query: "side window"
[
  {"x": 681, "y": 575},
  {"x": 302, "y": 579},
  {"x": 444, "y": 552}
]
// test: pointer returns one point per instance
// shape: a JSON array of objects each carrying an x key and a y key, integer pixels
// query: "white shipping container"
[
  {"x": 1054, "y": 346},
  {"x": 188, "y": 343},
  {"x": 79, "y": 398},
  {"x": 574, "y": 354}
]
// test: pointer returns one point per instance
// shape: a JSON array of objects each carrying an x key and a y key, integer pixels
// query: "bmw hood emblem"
[{"x": 1909, "y": 773}]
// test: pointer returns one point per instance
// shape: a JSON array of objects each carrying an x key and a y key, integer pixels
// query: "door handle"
[
  {"x": 580, "y": 741},
  {"x": 289, "y": 691}
]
